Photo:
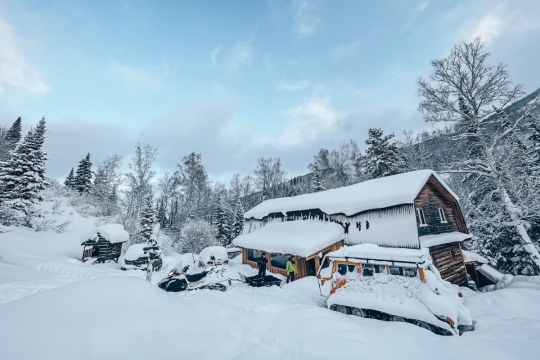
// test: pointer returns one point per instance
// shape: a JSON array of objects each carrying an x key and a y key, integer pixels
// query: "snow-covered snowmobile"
[
  {"x": 392, "y": 284},
  {"x": 181, "y": 281}
]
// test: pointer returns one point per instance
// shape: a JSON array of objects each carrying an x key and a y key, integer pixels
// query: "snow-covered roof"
[
  {"x": 301, "y": 238},
  {"x": 115, "y": 233},
  {"x": 490, "y": 273},
  {"x": 374, "y": 252},
  {"x": 470, "y": 256},
  {"x": 444, "y": 238},
  {"x": 349, "y": 200}
]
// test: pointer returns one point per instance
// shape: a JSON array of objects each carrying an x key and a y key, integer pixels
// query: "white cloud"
[
  {"x": 306, "y": 18},
  {"x": 308, "y": 121},
  {"x": 136, "y": 77},
  {"x": 489, "y": 27},
  {"x": 344, "y": 50},
  {"x": 286, "y": 85},
  {"x": 15, "y": 69},
  {"x": 422, "y": 5},
  {"x": 242, "y": 54}
]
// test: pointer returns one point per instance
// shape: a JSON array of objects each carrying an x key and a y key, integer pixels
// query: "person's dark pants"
[
  {"x": 290, "y": 277},
  {"x": 262, "y": 271}
]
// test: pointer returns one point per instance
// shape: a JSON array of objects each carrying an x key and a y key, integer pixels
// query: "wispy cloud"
[
  {"x": 422, "y": 5},
  {"x": 287, "y": 85},
  {"x": 15, "y": 68},
  {"x": 308, "y": 121},
  {"x": 344, "y": 50},
  {"x": 306, "y": 18},
  {"x": 213, "y": 55},
  {"x": 242, "y": 54},
  {"x": 137, "y": 77}
]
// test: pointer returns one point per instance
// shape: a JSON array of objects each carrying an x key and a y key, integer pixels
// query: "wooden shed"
[
  {"x": 305, "y": 241},
  {"x": 103, "y": 243}
]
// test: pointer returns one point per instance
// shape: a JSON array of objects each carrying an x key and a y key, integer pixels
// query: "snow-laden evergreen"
[
  {"x": 10, "y": 140},
  {"x": 382, "y": 157},
  {"x": 222, "y": 222},
  {"x": 238, "y": 221},
  {"x": 147, "y": 219},
  {"x": 316, "y": 183},
  {"x": 83, "y": 176},
  {"x": 69, "y": 182}
]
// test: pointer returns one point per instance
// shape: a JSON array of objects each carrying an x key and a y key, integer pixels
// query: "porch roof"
[{"x": 300, "y": 238}]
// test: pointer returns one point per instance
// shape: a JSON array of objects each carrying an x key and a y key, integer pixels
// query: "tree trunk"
[{"x": 520, "y": 227}]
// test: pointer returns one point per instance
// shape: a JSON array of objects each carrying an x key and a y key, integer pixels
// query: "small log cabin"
[
  {"x": 410, "y": 210},
  {"x": 104, "y": 243}
]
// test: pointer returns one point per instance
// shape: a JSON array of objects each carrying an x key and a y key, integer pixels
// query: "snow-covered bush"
[{"x": 195, "y": 236}]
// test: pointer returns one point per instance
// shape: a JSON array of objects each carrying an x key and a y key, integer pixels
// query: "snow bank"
[
  {"x": 115, "y": 233},
  {"x": 470, "y": 256},
  {"x": 374, "y": 252},
  {"x": 301, "y": 238},
  {"x": 445, "y": 238},
  {"x": 135, "y": 251},
  {"x": 349, "y": 200}
]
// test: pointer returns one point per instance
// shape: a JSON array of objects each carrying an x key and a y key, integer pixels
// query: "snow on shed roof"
[
  {"x": 375, "y": 252},
  {"x": 115, "y": 233},
  {"x": 300, "y": 238},
  {"x": 349, "y": 200},
  {"x": 469, "y": 256},
  {"x": 444, "y": 238}
]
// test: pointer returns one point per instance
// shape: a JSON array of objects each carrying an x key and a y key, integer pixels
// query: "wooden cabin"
[
  {"x": 410, "y": 210},
  {"x": 104, "y": 243},
  {"x": 305, "y": 241}
]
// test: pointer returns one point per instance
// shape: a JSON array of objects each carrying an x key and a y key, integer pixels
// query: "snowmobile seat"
[{"x": 196, "y": 277}]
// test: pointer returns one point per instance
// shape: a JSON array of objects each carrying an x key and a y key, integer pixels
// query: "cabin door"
[{"x": 310, "y": 267}]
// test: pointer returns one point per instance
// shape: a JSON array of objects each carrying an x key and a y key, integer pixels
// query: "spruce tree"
[
  {"x": 147, "y": 219},
  {"x": 19, "y": 179},
  {"x": 316, "y": 184},
  {"x": 10, "y": 140},
  {"x": 70, "y": 180},
  {"x": 238, "y": 223},
  {"x": 83, "y": 177},
  {"x": 161, "y": 215},
  {"x": 222, "y": 223},
  {"x": 382, "y": 157},
  {"x": 533, "y": 152}
]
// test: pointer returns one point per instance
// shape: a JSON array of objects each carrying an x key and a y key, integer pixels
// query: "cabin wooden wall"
[
  {"x": 434, "y": 196},
  {"x": 448, "y": 259}
]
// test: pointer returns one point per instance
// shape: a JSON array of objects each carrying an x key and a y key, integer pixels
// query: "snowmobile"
[{"x": 181, "y": 281}]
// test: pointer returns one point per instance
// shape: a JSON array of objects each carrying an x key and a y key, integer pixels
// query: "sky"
[{"x": 237, "y": 80}]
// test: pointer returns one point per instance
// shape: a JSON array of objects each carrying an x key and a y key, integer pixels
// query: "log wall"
[{"x": 448, "y": 259}]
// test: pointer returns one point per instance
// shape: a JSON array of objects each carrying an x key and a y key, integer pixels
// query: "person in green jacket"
[{"x": 291, "y": 270}]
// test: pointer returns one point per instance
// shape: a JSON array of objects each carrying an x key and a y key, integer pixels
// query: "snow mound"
[
  {"x": 349, "y": 200},
  {"x": 135, "y": 251},
  {"x": 371, "y": 251},
  {"x": 469, "y": 256},
  {"x": 301, "y": 238},
  {"x": 445, "y": 238},
  {"x": 115, "y": 233}
]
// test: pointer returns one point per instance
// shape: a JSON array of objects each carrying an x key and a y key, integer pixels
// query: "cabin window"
[
  {"x": 326, "y": 263},
  {"x": 342, "y": 269},
  {"x": 367, "y": 225},
  {"x": 410, "y": 272},
  {"x": 253, "y": 255},
  {"x": 368, "y": 270},
  {"x": 442, "y": 215},
  {"x": 395, "y": 270},
  {"x": 279, "y": 261},
  {"x": 421, "y": 217}
]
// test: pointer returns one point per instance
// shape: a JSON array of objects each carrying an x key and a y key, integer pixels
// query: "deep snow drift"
[{"x": 55, "y": 307}]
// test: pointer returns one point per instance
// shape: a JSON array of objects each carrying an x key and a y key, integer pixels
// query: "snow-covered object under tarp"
[
  {"x": 374, "y": 252},
  {"x": 135, "y": 251},
  {"x": 114, "y": 233},
  {"x": 444, "y": 238},
  {"x": 490, "y": 273},
  {"x": 300, "y": 238},
  {"x": 349, "y": 200},
  {"x": 469, "y": 256}
]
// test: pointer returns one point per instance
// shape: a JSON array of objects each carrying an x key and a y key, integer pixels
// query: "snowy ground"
[{"x": 55, "y": 307}]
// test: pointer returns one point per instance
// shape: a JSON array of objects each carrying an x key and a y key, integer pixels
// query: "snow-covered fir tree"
[
  {"x": 533, "y": 153},
  {"x": 382, "y": 157},
  {"x": 222, "y": 223},
  {"x": 161, "y": 216},
  {"x": 238, "y": 222},
  {"x": 10, "y": 140},
  {"x": 147, "y": 219},
  {"x": 70, "y": 180},
  {"x": 316, "y": 183},
  {"x": 20, "y": 177},
  {"x": 83, "y": 176}
]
